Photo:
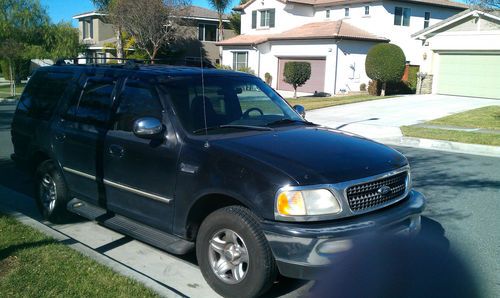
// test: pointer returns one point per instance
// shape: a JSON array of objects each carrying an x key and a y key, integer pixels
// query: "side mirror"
[
  {"x": 301, "y": 110},
  {"x": 148, "y": 128}
]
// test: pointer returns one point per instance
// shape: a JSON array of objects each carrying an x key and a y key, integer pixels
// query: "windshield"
[{"x": 231, "y": 103}]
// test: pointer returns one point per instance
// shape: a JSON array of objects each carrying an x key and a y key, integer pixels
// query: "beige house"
[{"x": 201, "y": 27}]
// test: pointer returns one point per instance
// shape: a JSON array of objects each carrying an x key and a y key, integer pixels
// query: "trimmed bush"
[
  {"x": 269, "y": 78},
  {"x": 385, "y": 63},
  {"x": 412, "y": 77},
  {"x": 374, "y": 88},
  {"x": 297, "y": 74},
  {"x": 362, "y": 87}
]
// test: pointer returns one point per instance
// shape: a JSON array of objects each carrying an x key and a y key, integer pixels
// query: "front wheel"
[
  {"x": 51, "y": 192},
  {"x": 233, "y": 254}
]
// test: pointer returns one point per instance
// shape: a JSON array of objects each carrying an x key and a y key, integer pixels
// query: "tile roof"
[
  {"x": 319, "y": 30},
  {"x": 443, "y": 3},
  {"x": 201, "y": 12}
]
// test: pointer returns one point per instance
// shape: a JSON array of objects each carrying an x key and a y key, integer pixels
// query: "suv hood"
[{"x": 316, "y": 155}]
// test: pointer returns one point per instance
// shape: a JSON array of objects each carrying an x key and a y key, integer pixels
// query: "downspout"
[
  {"x": 258, "y": 60},
  {"x": 337, "y": 58}
]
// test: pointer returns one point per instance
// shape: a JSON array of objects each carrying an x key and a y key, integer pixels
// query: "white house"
[
  {"x": 333, "y": 35},
  {"x": 462, "y": 55}
]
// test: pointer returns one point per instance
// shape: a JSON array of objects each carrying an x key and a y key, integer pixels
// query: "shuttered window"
[{"x": 254, "y": 19}]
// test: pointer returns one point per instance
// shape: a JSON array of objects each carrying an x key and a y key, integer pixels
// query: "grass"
[
  {"x": 5, "y": 90},
  {"x": 34, "y": 265},
  {"x": 486, "y": 118},
  {"x": 312, "y": 103}
]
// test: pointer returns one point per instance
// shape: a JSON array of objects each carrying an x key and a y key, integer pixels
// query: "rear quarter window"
[{"x": 43, "y": 92}]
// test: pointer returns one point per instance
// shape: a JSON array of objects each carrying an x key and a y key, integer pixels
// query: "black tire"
[
  {"x": 261, "y": 271},
  {"x": 58, "y": 212}
]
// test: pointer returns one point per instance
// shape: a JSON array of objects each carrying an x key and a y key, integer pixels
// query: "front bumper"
[{"x": 305, "y": 250}]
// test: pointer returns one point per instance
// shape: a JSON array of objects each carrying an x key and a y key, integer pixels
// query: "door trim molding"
[
  {"x": 82, "y": 174},
  {"x": 137, "y": 191}
]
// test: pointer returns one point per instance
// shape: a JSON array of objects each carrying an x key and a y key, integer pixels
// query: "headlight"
[{"x": 306, "y": 203}]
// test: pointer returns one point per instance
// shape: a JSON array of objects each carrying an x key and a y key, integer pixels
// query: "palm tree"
[{"x": 220, "y": 6}]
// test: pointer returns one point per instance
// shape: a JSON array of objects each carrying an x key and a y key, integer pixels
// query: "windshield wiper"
[
  {"x": 247, "y": 127},
  {"x": 288, "y": 121}
]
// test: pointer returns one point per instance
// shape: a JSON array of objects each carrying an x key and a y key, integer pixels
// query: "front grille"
[{"x": 367, "y": 196}]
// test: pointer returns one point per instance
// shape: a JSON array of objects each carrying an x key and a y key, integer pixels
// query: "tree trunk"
[
  {"x": 12, "y": 80},
  {"x": 294, "y": 91},
  {"x": 382, "y": 91},
  {"x": 119, "y": 45}
]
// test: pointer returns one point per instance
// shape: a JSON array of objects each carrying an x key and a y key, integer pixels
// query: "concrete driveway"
[{"x": 387, "y": 115}]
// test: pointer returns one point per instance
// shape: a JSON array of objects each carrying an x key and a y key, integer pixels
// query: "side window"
[
  {"x": 43, "y": 92},
  {"x": 95, "y": 102},
  {"x": 137, "y": 100}
]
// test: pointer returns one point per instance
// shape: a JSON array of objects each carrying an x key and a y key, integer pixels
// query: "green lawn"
[
  {"x": 486, "y": 118},
  {"x": 5, "y": 90},
  {"x": 311, "y": 103},
  {"x": 34, "y": 265}
]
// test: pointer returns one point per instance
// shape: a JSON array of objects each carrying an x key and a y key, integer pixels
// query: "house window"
[
  {"x": 88, "y": 28},
  {"x": 207, "y": 32},
  {"x": 267, "y": 18},
  {"x": 346, "y": 11},
  {"x": 327, "y": 13},
  {"x": 402, "y": 16},
  {"x": 367, "y": 10},
  {"x": 240, "y": 60},
  {"x": 427, "y": 19},
  {"x": 101, "y": 58}
]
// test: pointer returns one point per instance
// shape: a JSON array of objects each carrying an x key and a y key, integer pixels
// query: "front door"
[{"x": 139, "y": 174}]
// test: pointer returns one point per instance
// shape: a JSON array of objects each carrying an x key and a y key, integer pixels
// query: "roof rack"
[{"x": 134, "y": 63}]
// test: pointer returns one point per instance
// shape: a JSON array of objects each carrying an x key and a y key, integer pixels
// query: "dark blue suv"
[{"x": 216, "y": 161}]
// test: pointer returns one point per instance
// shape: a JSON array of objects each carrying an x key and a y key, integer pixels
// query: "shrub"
[
  {"x": 412, "y": 77},
  {"x": 400, "y": 87},
  {"x": 374, "y": 88},
  {"x": 222, "y": 66},
  {"x": 362, "y": 87},
  {"x": 269, "y": 78},
  {"x": 247, "y": 70},
  {"x": 385, "y": 63},
  {"x": 297, "y": 74}
]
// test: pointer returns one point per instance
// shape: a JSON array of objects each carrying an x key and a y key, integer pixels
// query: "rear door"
[
  {"x": 78, "y": 136},
  {"x": 139, "y": 174}
]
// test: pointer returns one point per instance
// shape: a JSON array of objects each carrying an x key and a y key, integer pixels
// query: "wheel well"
[
  {"x": 37, "y": 159},
  {"x": 203, "y": 207}
]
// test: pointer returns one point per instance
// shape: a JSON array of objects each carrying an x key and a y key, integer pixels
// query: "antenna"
[{"x": 204, "y": 103}]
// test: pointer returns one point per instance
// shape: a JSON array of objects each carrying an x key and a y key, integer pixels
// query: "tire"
[
  {"x": 259, "y": 268},
  {"x": 51, "y": 192}
]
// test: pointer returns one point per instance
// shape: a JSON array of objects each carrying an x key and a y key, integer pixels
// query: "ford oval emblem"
[{"x": 384, "y": 190}]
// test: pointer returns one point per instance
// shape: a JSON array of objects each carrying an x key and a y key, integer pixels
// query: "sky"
[{"x": 64, "y": 10}]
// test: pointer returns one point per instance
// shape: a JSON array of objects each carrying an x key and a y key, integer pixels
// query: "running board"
[{"x": 162, "y": 240}]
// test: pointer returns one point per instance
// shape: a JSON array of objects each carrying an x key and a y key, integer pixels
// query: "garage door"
[
  {"x": 315, "y": 83},
  {"x": 475, "y": 75}
]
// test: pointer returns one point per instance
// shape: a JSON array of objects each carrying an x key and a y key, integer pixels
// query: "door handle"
[
  {"x": 60, "y": 137},
  {"x": 116, "y": 150}
]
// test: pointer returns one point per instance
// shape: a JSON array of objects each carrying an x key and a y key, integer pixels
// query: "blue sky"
[{"x": 63, "y": 10}]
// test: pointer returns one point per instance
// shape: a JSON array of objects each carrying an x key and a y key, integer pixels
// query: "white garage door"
[
  {"x": 468, "y": 74},
  {"x": 315, "y": 83}
]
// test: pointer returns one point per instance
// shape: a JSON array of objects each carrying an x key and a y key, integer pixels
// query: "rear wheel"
[
  {"x": 234, "y": 255},
  {"x": 51, "y": 192}
]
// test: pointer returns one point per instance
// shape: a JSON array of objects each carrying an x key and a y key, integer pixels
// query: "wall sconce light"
[{"x": 424, "y": 56}]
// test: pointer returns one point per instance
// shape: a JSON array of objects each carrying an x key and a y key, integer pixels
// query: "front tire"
[
  {"x": 51, "y": 192},
  {"x": 233, "y": 254}
]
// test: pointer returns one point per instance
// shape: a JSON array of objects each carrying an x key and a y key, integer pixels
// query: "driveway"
[{"x": 381, "y": 119}]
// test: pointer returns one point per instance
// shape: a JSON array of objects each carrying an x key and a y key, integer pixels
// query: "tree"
[
  {"x": 485, "y": 4},
  {"x": 220, "y": 6},
  {"x": 105, "y": 6},
  {"x": 152, "y": 23},
  {"x": 60, "y": 41},
  {"x": 235, "y": 19},
  {"x": 297, "y": 74},
  {"x": 385, "y": 63}
]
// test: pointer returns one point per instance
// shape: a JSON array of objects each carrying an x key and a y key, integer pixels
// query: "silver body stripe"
[{"x": 121, "y": 186}]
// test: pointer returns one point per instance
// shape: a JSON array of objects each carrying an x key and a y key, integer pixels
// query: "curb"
[
  {"x": 441, "y": 145},
  {"x": 109, "y": 262}
]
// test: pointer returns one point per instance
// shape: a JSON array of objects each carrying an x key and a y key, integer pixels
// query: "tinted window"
[
  {"x": 95, "y": 103},
  {"x": 43, "y": 92},
  {"x": 137, "y": 100}
]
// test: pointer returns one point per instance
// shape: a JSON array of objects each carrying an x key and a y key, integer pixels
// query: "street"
[{"x": 463, "y": 193}]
